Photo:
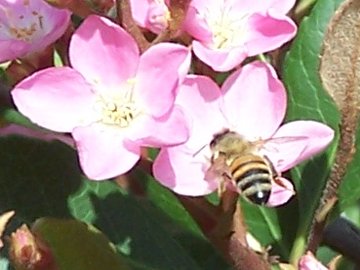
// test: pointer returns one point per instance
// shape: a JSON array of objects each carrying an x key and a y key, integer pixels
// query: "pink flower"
[
  {"x": 309, "y": 262},
  {"x": 112, "y": 100},
  {"x": 252, "y": 103},
  {"x": 153, "y": 15},
  {"x": 228, "y": 31},
  {"x": 29, "y": 26}
]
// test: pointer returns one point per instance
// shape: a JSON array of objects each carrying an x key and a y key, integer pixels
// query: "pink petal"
[
  {"x": 104, "y": 53},
  {"x": 54, "y": 24},
  {"x": 200, "y": 99},
  {"x": 12, "y": 49},
  {"x": 46, "y": 22},
  {"x": 161, "y": 69},
  {"x": 280, "y": 6},
  {"x": 252, "y": 94},
  {"x": 196, "y": 26},
  {"x": 219, "y": 60},
  {"x": 139, "y": 11},
  {"x": 284, "y": 151},
  {"x": 103, "y": 153},
  {"x": 202, "y": 5},
  {"x": 250, "y": 6},
  {"x": 182, "y": 168},
  {"x": 144, "y": 11},
  {"x": 178, "y": 170},
  {"x": 309, "y": 262},
  {"x": 157, "y": 19},
  {"x": 268, "y": 32},
  {"x": 318, "y": 137},
  {"x": 56, "y": 104},
  {"x": 280, "y": 193},
  {"x": 168, "y": 130}
]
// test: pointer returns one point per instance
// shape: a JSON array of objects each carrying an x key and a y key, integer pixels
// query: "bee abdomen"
[{"x": 253, "y": 177}]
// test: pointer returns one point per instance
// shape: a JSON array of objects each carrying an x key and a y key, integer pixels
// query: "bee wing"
[
  {"x": 271, "y": 144},
  {"x": 284, "y": 152}
]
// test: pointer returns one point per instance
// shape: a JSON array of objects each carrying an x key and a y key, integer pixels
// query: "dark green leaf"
[
  {"x": 78, "y": 246},
  {"x": 308, "y": 100},
  {"x": 40, "y": 179},
  {"x": 165, "y": 207}
]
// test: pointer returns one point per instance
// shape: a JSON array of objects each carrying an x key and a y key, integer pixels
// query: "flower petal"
[
  {"x": 181, "y": 172},
  {"x": 55, "y": 98},
  {"x": 284, "y": 151},
  {"x": 250, "y": 6},
  {"x": 219, "y": 60},
  {"x": 254, "y": 100},
  {"x": 28, "y": 27},
  {"x": 168, "y": 130},
  {"x": 318, "y": 137},
  {"x": 157, "y": 17},
  {"x": 139, "y": 11},
  {"x": 11, "y": 49},
  {"x": 280, "y": 192},
  {"x": 182, "y": 168},
  {"x": 281, "y": 6},
  {"x": 195, "y": 25},
  {"x": 161, "y": 69},
  {"x": 104, "y": 154},
  {"x": 104, "y": 53},
  {"x": 200, "y": 99},
  {"x": 266, "y": 32},
  {"x": 309, "y": 262}
]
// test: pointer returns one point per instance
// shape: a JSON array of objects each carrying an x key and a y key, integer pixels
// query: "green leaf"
[
  {"x": 129, "y": 226},
  {"x": 308, "y": 100},
  {"x": 12, "y": 116},
  {"x": 40, "y": 179},
  {"x": 270, "y": 228},
  {"x": 180, "y": 224},
  {"x": 78, "y": 246}
]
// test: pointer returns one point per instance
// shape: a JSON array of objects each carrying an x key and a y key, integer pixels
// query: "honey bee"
[{"x": 237, "y": 160}]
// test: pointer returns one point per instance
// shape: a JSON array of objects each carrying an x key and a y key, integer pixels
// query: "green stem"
[
  {"x": 298, "y": 247},
  {"x": 303, "y": 6},
  {"x": 262, "y": 57}
]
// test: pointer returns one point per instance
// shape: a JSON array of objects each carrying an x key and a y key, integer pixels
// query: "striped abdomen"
[{"x": 253, "y": 175}]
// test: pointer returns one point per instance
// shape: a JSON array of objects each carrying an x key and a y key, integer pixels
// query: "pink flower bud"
[{"x": 27, "y": 251}]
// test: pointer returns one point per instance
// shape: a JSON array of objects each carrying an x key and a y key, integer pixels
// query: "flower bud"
[{"x": 28, "y": 251}]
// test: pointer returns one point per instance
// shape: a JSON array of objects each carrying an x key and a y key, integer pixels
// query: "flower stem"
[
  {"x": 222, "y": 224},
  {"x": 298, "y": 247},
  {"x": 301, "y": 9},
  {"x": 262, "y": 58},
  {"x": 125, "y": 18}
]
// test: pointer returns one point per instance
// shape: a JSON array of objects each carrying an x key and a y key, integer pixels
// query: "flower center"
[
  {"x": 118, "y": 109},
  {"x": 25, "y": 26},
  {"x": 228, "y": 29}
]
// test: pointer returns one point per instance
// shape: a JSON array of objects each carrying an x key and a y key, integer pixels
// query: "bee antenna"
[{"x": 198, "y": 151}]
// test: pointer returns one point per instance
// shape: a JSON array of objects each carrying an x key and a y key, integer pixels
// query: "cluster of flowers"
[{"x": 115, "y": 101}]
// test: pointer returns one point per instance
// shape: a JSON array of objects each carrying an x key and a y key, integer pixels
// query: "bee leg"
[
  {"x": 279, "y": 182},
  {"x": 226, "y": 177}
]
